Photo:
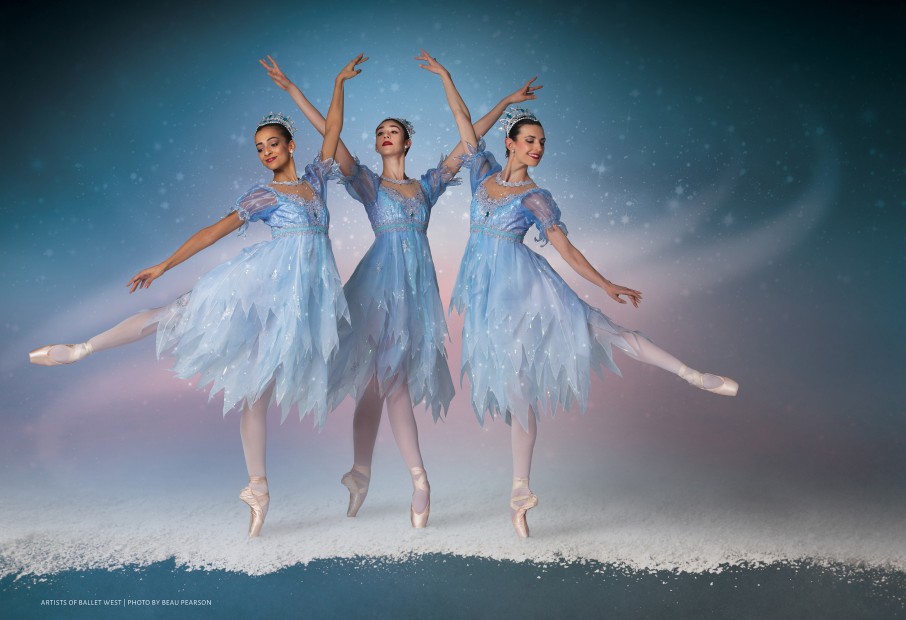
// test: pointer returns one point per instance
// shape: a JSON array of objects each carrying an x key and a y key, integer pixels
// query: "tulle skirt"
[
  {"x": 398, "y": 330},
  {"x": 528, "y": 341},
  {"x": 268, "y": 316}
]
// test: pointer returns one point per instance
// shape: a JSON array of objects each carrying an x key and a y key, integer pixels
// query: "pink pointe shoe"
[
  {"x": 257, "y": 503},
  {"x": 357, "y": 483},
  {"x": 520, "y": 504},
  {"x": 728, "y": 387},
  {"x": 44, "y": 356},
  {"x": 419, "y": 520}
]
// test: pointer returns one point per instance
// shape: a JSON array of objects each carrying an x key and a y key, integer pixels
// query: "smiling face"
[
  {"x": 390, "y": 138},
  {"x": 526, "y": 144},
  {"x": 274, "y": 146}
]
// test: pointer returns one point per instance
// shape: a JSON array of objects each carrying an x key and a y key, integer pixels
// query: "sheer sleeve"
[
  {"x": 362, "y": 184},
  {"x": 543, "y": 212},
  {"x": 481, "y": 164},
  {"x": 319, "y": 172},
  {"x": 256, "y": 204},
  {"x": 436, "y": 181}
]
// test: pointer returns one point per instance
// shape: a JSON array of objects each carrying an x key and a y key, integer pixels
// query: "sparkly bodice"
[
  {"x": 292, "y": 208},
  {"x": 388, "y": 207},
  {"x": 510, "y": 215},
  {"x": 296, "y": 210},
  {"x": 503, "y": 217},
  {"x": 392, "y": 209}
]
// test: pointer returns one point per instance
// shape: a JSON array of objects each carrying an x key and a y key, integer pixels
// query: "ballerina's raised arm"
[
  {"x": 470, "y": 133},
  {"x": 342, "y": 156}
]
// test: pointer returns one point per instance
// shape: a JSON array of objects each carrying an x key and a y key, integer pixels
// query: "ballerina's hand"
[
  {"x": 349, "y": 71},
  {"x": 431, "y": 63},
  {"x": 145, "y": 277},
  {"x": 615, "y": 290},
  {"x": 274, "y": 73},
  {"x": 525, "y": 92}
]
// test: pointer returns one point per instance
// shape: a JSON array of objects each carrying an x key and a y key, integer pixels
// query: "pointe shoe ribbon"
[
  {"x": 728, "y": 387},
  {"x": 257, "y": 503},
  {"x": 419, "y": 520}
]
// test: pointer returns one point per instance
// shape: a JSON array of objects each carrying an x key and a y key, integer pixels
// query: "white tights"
[
  {"x": 646, "y": 351},
  {"x": 367, "y": 420},
  {"x": 253, "y": 423},
  {"x": 523, "y": 440},
  {"x": 134, "y": 328},
  {"x": 253, "y": 432}
]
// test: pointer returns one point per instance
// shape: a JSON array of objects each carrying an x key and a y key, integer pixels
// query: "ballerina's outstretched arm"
[
  {"x": 575, "y": 259},
  {"x": 342, "y": 156},
  {"x": 193, "y": 245},
  {"x": 470, "y": 133}
]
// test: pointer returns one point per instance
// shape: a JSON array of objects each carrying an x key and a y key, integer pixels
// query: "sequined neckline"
[
  {"x": 315, "y": 199},
  {"x": 314, "y": 205},
  {"x": 297, "y": 197},
  {"x": 482, "y": 195},
  {"x": 503, "y": 183},
  {"x": 296, "y": 182},
  {"x": 399, "y": 181},
  {"x": 417, "y": 197}
]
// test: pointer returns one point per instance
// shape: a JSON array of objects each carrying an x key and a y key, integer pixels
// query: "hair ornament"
[
  {"x": 278, "y": 119},
  {"x": 402, "y": 121},
  {"x": 513, "y": 115}
]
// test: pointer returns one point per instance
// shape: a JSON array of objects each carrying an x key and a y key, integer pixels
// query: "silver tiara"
[
  {"x": 278, "y": 119},
  {"x": 513, "y": 115},
  {"x": 402, "y": 121}
]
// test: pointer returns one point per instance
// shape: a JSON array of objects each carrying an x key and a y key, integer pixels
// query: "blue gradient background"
[{"x": 744, "y": 169}]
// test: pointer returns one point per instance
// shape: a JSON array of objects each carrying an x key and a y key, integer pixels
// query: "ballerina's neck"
[
  {"x": 394, "y": 168},
  {"x": 286, "y": 175}
]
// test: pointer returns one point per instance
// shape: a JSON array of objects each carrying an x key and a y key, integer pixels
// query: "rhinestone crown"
[
  {"x": 279, "y": 119},
  {"x": 513, "y": 115}
]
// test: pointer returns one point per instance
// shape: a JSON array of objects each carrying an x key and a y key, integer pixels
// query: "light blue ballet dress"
[
  {"x": 398, "y": 329},
  {"x": 528, "y": 341},
  {"x": 271, "y": 314}
]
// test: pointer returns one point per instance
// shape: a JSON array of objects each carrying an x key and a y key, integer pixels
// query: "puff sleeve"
[
  {"x": 436, "y": 181},
  {"x": 256, "y": 204},
  {"x": 319, "y": 172},
  {"x": 362, "y": 184},
  {"x": 542, "y": 211},
  {"x": 481, "y": 164}
]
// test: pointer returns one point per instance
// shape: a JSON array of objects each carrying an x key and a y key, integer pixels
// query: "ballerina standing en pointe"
[
  {"x": 528, "y": 341},
  {"x": 262, "y": 327},
  {"x": 394, "y": 351}
]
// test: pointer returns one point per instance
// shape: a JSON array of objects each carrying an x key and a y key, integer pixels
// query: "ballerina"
[
  {"x": 528, "y": 341},
  {"x": 262, "y": 327},
  {"x": 394, "y": 351}
]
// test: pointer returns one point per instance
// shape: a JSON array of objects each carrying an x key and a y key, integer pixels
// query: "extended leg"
[
  {"x": 646, "y": 351},
  {"x": 405, "y": 431},
  {"x": 521, "y": 497},
  {"x": 134, "y": 328}
]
